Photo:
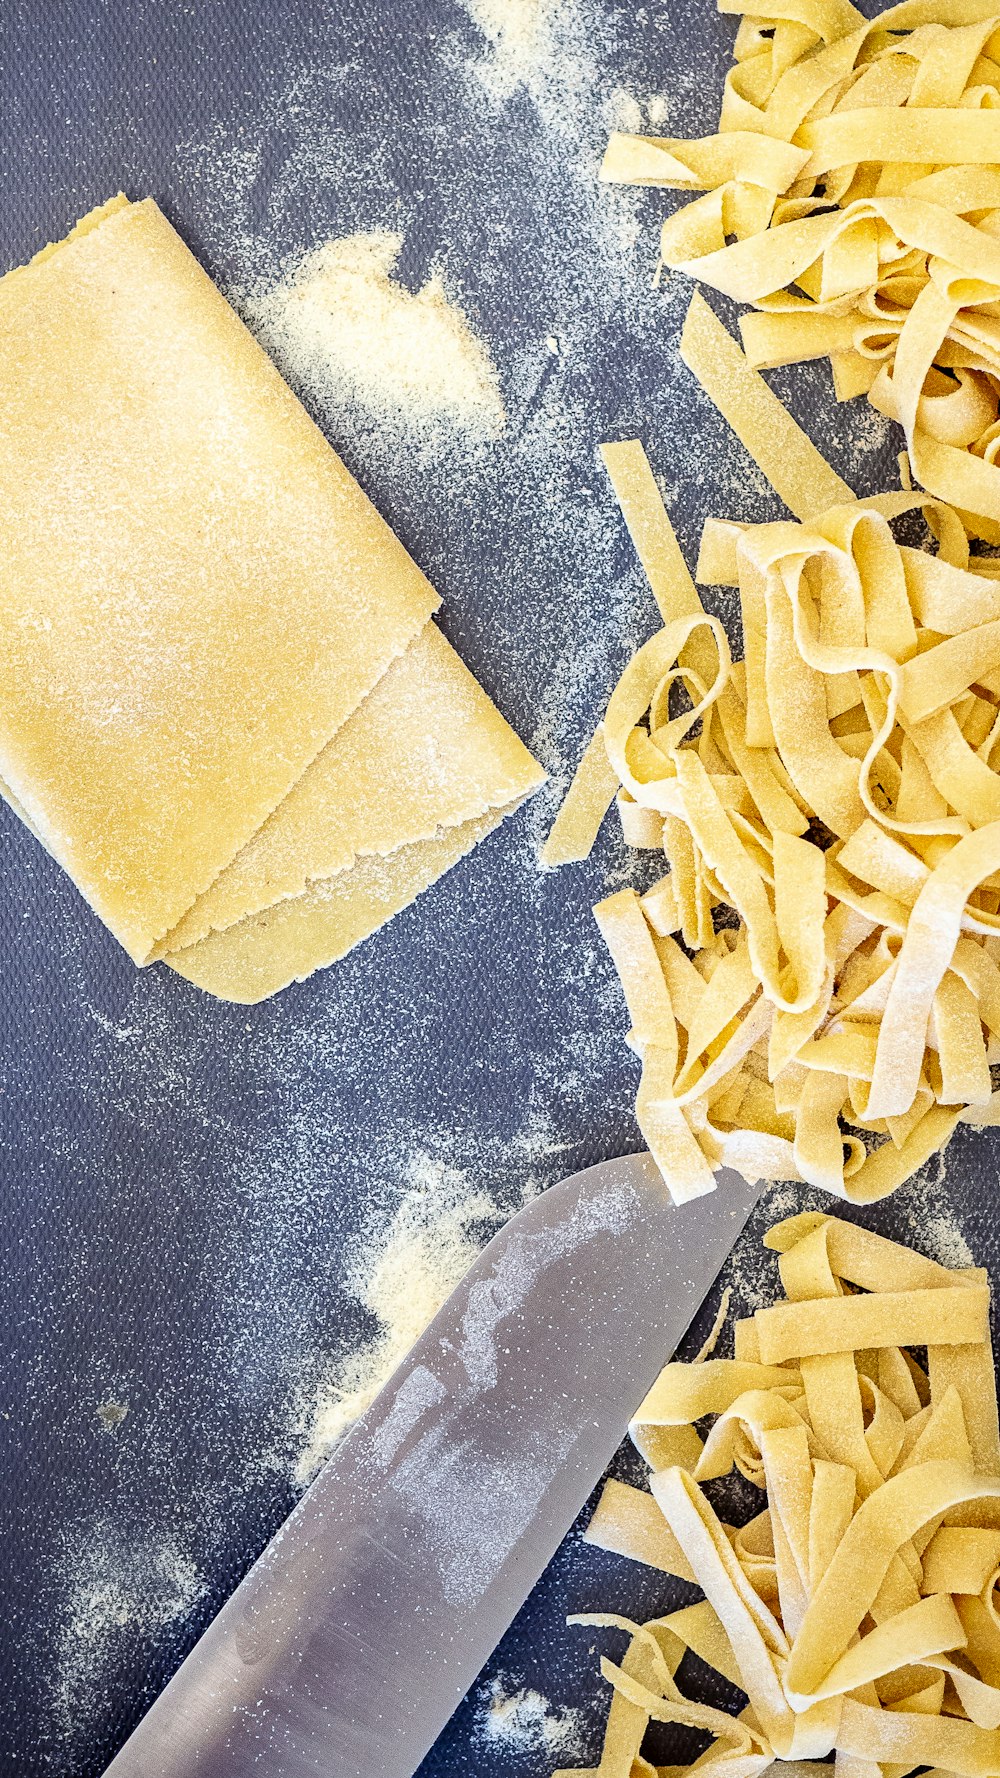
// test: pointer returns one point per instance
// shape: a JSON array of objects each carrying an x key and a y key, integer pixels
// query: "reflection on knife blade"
[{"x": 355, "y": 1635}]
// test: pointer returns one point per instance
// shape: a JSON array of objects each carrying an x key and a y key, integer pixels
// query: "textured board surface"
[{"x": 189, "y": 1188}]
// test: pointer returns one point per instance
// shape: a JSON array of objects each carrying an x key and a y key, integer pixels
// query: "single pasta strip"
[
  {"x": 789, "y": 459},
  {"x": 893, "y": 1318},
  {"x": 593, "y": 790},
  {"x": 960, "y": 1560},
  {"x": 930, "y": 1626},
  {"x": 934, "y": 135},
  {"x": 650, "y": 529},
  {"x": 628, "y": 1522},
  {"x": 930, "y": 940},
  {"x": 698, "y": 166},
  {"x": 628, "y": 938}
]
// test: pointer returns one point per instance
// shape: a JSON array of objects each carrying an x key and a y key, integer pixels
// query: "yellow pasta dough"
[
  {"x": 851, "y": 195},
  {"x": 219, "y": 688},
  {"x": 858, "y": 1611},
  {"x": 425, "y": 751},
  {"x": 837, "y": 792},
  {"x": 255, "y": 957}
]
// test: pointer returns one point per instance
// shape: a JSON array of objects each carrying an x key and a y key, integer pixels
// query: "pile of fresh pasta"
[
  {"x": 852, "y": 197},
  {"x": 859, "y": 1610},
  {"x": 814, "y": 983}
]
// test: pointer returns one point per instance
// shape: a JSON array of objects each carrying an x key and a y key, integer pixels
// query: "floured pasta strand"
[
  {"x": 594, "y": 789},
  {"x": 860, "y": 1610},
  {"x": 838, "y": 792},
  {"x": 851, "y": 197}
]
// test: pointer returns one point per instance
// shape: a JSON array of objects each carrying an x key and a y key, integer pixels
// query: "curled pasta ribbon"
[
  {"x": 814, "y": 982},
  {"x": 850, "y": 197},
  {"x": 858, "y": 1611}
]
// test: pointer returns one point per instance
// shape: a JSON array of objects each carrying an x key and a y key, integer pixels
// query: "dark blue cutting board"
[{"x": 184, "y": 1182}]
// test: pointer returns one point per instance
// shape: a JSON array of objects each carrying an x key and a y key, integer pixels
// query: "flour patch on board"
[
  {"x": 928, "y": 1216},
  {"x": 417, "y": 1243},
  {"x": 622, "y": 111},
  {"x": 343, "y": 324},
  {"x": 520, "y": 34},
  {"x": 401, "y": 1274},
  {"x": 111, "y": 1414},
  {"x": 520, "y": 1720},
  {"x": 114, "y": 1595},
  {"x": 540, "y": 47}
]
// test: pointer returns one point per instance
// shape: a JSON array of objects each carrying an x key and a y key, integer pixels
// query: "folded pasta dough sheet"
[
  {"x": 288, "y": 942},
  {"x": 222, "y": 706},
  {"x": 421, "y": 772},
  {"x": 194, "y": 592}
]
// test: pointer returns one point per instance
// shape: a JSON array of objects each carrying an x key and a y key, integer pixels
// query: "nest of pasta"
[
  {"x": 859, "y": 1610},
  {"x": 814, "y": 984},
  {"x": 852, "y": 197}
]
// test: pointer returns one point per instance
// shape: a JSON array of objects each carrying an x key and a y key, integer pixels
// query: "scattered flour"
[
  {"x": 401, "y": 1278},
  {"x": 341, "y": 321},
  {"x": 114, "y": 1591},
  {"x": 525, "y": 1721},
  {"x": 548, "y": 49},
  {"x": 622, "y": 111},
  {"x": 928, "y": 1216},
  {"x": 110, "y": 1415},
  {"x": 520, "y": 28},
  {"x": 521, "y": 35}
]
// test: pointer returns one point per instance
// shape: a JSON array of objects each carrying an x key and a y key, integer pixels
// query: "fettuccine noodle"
[
  {"x": 860, "y": 1610},
  {"x": 852, "y": 197},
  {"x": 814, "y": 984}
]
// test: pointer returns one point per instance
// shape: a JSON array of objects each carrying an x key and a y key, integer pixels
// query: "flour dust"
[
  {"x": 523, "y": 1721},
  {"x": 401, "y": 1274},
  {"x": 113, "y": 1592},
  {"x": 341, "y": 323}
]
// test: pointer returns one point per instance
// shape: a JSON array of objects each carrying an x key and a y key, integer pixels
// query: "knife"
[{"x": 351, "y": 1641}]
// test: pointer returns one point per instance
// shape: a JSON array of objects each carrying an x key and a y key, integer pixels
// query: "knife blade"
[{"x": 352, "y": 1639}]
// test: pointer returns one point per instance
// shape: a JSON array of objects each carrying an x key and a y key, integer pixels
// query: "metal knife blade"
[{"x": 350, "y": 1642}]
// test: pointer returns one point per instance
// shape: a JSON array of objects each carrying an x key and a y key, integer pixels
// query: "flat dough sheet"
[
  {"x": 425, "y": 752},
  {"x": 288, "y": 942},
  {"x": 194, "y": 593}
]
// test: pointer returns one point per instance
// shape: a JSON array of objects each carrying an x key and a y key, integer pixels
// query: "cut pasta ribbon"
[
  {"x": 859, "y": 1610},
  {"x": 852, "y": 196},
  {"x": 829, "y": 810}
]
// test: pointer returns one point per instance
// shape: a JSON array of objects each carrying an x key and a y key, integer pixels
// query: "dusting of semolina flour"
[
  {"x": 341, "y": 322},
  {"x": 115, "y": 1591},
  {"x": 402, "y": 1277},
  {"x": 524, "y": 1721}
]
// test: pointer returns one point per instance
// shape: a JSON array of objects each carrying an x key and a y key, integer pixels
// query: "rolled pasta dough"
[{"x": 218, "y": 685}]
